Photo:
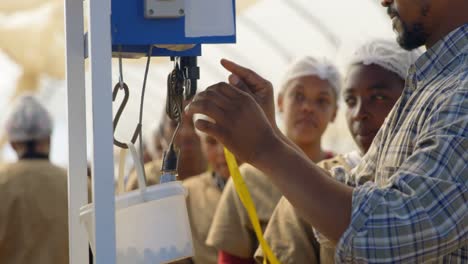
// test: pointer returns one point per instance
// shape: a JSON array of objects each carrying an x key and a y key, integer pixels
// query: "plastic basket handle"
[
  {"x": 120, "y": 180},
  {"x": 139, "y": 168}
]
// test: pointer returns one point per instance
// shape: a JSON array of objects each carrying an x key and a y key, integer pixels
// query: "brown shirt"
[
  {"x": 231, "y": 230},
  {"x": 291, "y": 238},
  {"x": 33, "y": 213},
  {"x": 203, "y": 197}
]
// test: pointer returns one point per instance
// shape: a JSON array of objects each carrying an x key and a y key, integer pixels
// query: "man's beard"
[{"x": 412, "y": 37}]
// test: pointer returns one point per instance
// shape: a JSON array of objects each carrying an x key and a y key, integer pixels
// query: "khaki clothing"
[
  {"x": 339, "y": 160},
  {"x": 33, "y": 213},
  {"x": 153, "y": 174},
  {"x": 231, "y": 230},
  {"x": 203, "y": 197},
  {"x": 291, "y": 238}
]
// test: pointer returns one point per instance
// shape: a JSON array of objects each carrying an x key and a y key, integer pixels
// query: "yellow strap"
[{"x": 246, "y": 200}]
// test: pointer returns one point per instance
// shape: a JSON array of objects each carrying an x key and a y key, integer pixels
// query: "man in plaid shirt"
[{"x": 407, "y": 202}]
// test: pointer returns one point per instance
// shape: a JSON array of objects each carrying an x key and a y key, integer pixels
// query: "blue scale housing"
[{"x": 134, "y": 33}]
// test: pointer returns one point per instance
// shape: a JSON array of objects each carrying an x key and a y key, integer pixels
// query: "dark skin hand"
[
  {"x": 259, "y": 89},
  {"x": 249, "y": 130}
]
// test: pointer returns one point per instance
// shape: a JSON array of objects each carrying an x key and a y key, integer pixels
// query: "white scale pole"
[
  {"x": 100, "y": 56},
  {"x": 77, "y": 158},
  {"x": 102, "y": 130}
]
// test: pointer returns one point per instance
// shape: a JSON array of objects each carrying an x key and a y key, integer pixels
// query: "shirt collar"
[{"x": 438, "y": 57}]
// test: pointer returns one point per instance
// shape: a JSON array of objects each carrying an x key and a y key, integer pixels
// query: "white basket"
[{"x": 152, "y": 224}]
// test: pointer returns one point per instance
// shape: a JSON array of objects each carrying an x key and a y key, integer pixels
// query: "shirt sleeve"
[
  {"x": 291, "y": 239},
  {"x": 228, "y": 231},
  {"x": 420, "y": 216}
]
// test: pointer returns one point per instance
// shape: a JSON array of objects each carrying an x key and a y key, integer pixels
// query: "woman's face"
[
  {"x": 370, "y": 92},
  {"x": 308, "y": 105}
]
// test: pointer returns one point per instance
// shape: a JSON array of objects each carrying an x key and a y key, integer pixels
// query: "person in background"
[
  {"x": 154, "y": 145},
  {"x": 191, "y": 161},
  {"x": 33, "y": 191},
  {"x": 374, "y": 82},
  {"x": 308, "y": 103},
  {"x": 204, "y": 192}
]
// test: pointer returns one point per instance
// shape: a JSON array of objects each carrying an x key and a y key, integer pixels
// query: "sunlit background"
[{"x": 270, "y": 34}]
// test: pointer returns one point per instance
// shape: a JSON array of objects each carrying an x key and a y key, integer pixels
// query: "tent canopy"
[{"x": 270, "y": 34}]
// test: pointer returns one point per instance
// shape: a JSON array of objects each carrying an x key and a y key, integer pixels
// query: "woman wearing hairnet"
[
  {"x": 33, "y": 212},
  {"x": 374, "y": 82},
  {"x": 307, "y": 103}
]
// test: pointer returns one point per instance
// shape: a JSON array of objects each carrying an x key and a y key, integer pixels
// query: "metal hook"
[{"x": 137, "y": 132}]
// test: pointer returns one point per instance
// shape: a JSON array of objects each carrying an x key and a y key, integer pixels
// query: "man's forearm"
[
  {"x": 286, "y": 140},
  {"x": 323, "y": 202}
]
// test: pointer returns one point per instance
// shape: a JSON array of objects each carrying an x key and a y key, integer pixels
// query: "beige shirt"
[
  {"x": 152, "y": 171},
  {"x": 291, "y": 238},
  {"x": 231, "y": 230},
  {"x": 203, "y": 197},
  {"x": 33, "y": 213}
]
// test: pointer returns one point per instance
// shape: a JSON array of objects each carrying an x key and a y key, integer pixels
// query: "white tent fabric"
[{"x": 270, "y": 34}]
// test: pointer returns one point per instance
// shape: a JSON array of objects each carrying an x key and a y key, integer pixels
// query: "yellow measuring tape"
[{"x": 246, "y": 200}]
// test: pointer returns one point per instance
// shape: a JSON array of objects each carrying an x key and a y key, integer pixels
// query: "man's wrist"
[{"x": 267, "y": 150}]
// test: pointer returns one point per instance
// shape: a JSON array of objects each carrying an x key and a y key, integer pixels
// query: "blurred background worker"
[
  {"x": 204, "y": 192},
  {"x": 192, "y": 161},
  {"x": 33, "y": 191}
]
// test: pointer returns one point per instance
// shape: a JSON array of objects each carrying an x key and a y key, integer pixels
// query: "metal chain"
[{"x": 175, "y": 92}]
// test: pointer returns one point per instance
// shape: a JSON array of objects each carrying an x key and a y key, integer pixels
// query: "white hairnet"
[
  {"x": 386, "y": 54},
  {"x": 308, "y": 66},
  {"x": 28, "y": 120}
]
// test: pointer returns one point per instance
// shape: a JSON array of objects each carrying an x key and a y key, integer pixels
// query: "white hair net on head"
[
  {"x": 308, "y": 66},
  {"x": 386, "y": 54},
  {"x": 28, "y": 120}
]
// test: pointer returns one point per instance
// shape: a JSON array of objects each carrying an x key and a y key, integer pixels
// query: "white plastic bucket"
[{"x": 152, "y": 224}]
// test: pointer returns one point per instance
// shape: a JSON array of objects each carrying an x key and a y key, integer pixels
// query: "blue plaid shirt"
[{"x": 410, "y": 205}]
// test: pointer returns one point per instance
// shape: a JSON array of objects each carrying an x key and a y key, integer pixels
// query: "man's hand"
[
  {"x": 256, "y": 86},
  {"x": 240, "y": 124},
  {"x": 247, "y": 129},
  {"x": 261, "y": 90}
]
